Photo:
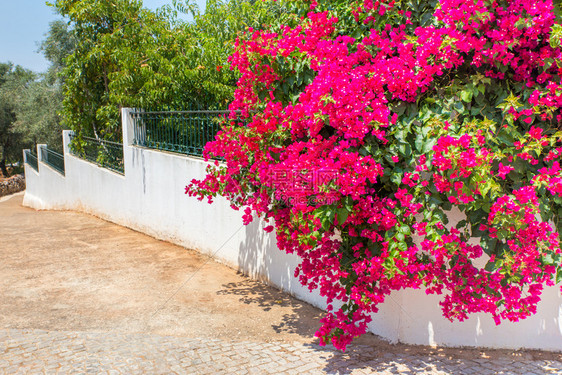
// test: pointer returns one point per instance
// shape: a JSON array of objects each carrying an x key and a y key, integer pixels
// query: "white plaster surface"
[{"x": 150, "y": 198}]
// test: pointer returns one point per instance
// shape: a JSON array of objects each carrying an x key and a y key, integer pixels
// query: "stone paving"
[{"x": 52, "y": 352}]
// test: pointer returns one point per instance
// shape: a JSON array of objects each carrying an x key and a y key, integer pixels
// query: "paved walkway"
[
  {"x": 33, "y": 351},
  {"x": 81, "y": 295}
]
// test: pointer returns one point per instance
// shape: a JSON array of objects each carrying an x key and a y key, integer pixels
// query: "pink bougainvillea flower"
[{"x": 363, "y": 130}]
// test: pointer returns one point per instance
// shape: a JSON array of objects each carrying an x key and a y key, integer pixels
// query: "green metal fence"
[
  {"x": 106, "y": 154},
  {"x": 31, "y": 159},
  {"x": 53, "y": 159},
  {"x": 185, "y": 132}
]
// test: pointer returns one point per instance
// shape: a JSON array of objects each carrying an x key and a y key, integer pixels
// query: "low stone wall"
[{"x": 12, "y": 185}]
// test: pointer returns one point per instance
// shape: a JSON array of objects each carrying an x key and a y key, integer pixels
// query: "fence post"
[
  {"x": 39, "y": 156},
  {"x": 66, "y": 137},
  {"x": 128, "y": 126},
  {"x": 25, "y": 156}
]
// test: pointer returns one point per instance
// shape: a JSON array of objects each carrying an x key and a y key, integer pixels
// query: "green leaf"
[
  {"x": 405, "y": 229},
  {"x": 485, "y": 188},
  {"x": 343, "y": 213},
  {"x": 559, "y": 276},
  {"x": 488, "y": 245},
  {"x": 466, "y": 96},
  {"x": 419, "y": 143},
  {"x": 490, "y": 266},
  {"x": 405, "y": 149},
  {"x": 459, "y": 107},
  {"x": 476, "y": 216},
  {"x": 396, "y": 178},
  {"x": 428, "y": 146},
  {"x": 461, "y": 224}
]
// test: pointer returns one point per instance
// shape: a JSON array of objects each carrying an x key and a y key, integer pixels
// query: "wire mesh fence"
[
  {"x": 31, "y": 160},
  {"x": 106, "y": 154},
  {"x": 185, "y": 132},
  {"x": 53, "y": 159}
]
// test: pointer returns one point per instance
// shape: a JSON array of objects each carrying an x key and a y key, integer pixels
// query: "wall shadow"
[
  {"x": 301, "y": 318},
  {"x": 264, "y": 264}
]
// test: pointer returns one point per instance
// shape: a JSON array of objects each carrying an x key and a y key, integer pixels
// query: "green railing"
[
  {"x": 185, "y": 132},
  {"x": 53, "y": 159},
  {"x": 31, "y": 159},
  {"x": 106, "y": 154}
]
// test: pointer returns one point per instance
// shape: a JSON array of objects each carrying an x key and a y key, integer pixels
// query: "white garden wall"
[{"x": 150, "y": 198}]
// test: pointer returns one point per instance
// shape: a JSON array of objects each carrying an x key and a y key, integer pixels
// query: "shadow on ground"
[
  {"x": 303, "y": 319},
  {"x": 370, "y": 354}
]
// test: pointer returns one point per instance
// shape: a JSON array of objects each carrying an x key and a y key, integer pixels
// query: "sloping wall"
[{"x": 150, "y": 198}]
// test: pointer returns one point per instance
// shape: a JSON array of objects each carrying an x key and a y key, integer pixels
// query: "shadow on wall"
[
  {"x": 254, "y": 256},
  {"x": 428, "y": 327},
  {"x": 260, "y": 259}
]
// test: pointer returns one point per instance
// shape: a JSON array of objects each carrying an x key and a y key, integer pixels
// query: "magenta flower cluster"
[{"x": 382, "y": 225}]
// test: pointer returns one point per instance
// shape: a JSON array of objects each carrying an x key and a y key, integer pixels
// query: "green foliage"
[
  {"x": 13, "y": 82},
  {"x": 30, "y": 103},
  {"x": 57, "y": 46},
  {"x": 128, "y": 56},
  {"x": 216, "y": 31},
  {"x": 40, "y": 103},
  {"x": 37, "y": 113},
  {"x": 97, "y": 27}
]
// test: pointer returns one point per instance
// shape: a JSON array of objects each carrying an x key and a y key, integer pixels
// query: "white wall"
[{"x": 150, "y": 198}]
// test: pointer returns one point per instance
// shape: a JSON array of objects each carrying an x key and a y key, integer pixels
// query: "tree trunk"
[{"x": 3, "y": 166}]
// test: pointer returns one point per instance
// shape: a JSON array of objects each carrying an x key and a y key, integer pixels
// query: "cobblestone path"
[{"x": 38, "y": 352}]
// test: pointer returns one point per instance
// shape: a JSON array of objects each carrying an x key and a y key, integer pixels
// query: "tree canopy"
[
  {"x": 128, "y": 56},
  {"x": 31, "y": 102},
  {"x": 13, "y": 82}
]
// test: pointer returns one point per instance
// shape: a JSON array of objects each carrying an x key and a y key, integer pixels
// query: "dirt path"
[{"x": 71, "y": 272}]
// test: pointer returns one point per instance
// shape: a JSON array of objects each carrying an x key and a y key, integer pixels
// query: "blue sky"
[{"x": 23, "y": 23}]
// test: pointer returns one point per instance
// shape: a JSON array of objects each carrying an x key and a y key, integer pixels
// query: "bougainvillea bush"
[{"x": 367, "y": 122}]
